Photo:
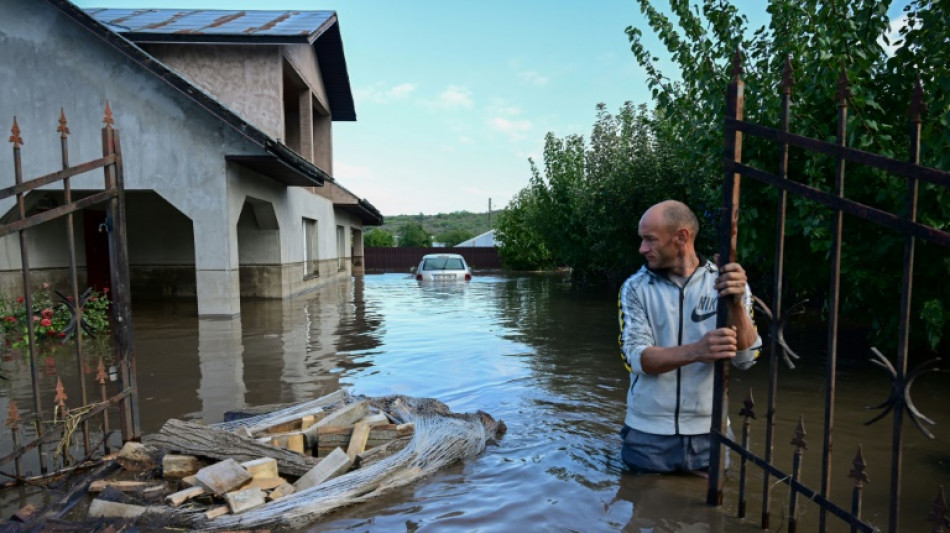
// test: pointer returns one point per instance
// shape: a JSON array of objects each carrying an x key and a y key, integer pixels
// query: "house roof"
[{"x": 321, "y": 29}]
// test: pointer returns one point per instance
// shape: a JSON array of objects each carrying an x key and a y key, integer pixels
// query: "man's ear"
[{"x": 682, "y": 236}]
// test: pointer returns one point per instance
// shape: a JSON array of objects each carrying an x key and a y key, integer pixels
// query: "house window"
[
  {"x": 340, "y": 248},
  {"x": 311, "y": 267}
]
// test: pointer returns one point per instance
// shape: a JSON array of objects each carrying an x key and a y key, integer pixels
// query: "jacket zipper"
[{"x": 679, "y": 374}]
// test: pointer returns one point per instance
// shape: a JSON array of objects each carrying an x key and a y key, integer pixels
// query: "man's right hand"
[{"x": 716, "y": 344}]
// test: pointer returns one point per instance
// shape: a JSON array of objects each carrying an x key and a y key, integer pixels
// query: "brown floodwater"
[{"x": 530, "y": 350}]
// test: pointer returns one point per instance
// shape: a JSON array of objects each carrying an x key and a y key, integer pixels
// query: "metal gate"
[
  {"x": 899, "y": 402},
  {"x": 55, "y": 423}
]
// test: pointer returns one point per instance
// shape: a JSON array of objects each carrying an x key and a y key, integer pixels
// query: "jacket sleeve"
[
  {"x": 635, "y": 332},
  {"x": 746, "y": 358}
]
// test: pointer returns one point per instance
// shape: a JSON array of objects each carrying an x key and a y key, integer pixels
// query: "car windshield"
[{"x": 443, "y": 263}]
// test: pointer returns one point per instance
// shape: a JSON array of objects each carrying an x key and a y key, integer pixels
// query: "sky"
[{"x": 453, "y": 97}]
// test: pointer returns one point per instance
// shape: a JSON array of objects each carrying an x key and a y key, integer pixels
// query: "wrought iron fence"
[
  {"x": 123, "y": 364},
  {"x": 899, "y": 402}
]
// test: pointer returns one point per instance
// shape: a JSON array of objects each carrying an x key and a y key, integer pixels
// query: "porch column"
[{"x": 216, "y": 267}]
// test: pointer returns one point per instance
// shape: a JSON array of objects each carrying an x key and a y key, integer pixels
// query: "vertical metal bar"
[
  {"x": 844, "y": 93},
  {"x": 788, "y": 81},
  {"x": 13, "y": 421},
  {"x": 118, "y": 262},
  {"x": 917, "y": 108},
  {"x": 101, "y": 378},
  {"x": 800, "y": 447},
  {"x": 63, "y": 130},
  {"x": 27, "y": 296},
  {"x": 748, "y": 414},
  {"x": 729, "y": 216}
]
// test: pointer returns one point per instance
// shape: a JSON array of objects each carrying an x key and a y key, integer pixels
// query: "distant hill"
[{"x": 476, "y": 223}]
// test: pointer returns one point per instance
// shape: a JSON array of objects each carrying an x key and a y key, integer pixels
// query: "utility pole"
[{"x": 489, "y": 214}]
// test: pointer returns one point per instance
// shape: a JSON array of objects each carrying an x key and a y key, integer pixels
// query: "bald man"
[{"x": 669, "y": 341}]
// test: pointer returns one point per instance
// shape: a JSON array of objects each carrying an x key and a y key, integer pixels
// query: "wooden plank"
[
  {"x": 100, "y": 485},
  {"x": 284, "y": 427},
  {"x": 244, "y": 500},
  {"x": 223, "y": 477},
  {"x": 265, "y": 483},
  {"x": 358, "y": 440},
  {"x": 376, "y": 419},
  {"x": 329, "y": 437},
  {"x": 180, "y": 497},
  {"x": 137, "y": 457},
  {"x": 103, "y": 509},
  {"x": 265, "y": 467},
  {"x": 381, "y": 452},
  {"x": 215, "y": 512},
  {"x": 178, "y": 466},
  {"x": 330, "y": 467},
  {"x": 25, "y": 514},
  {"x": 345, "y": 416},
  {"x": 284, "y": 490},
  {"x": 189, "y": 481}
]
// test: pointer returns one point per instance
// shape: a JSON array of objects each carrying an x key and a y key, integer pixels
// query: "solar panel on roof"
[{"x": 212, "y": 22}]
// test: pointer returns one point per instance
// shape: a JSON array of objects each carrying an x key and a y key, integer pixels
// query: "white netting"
[{"x": 440, "y": 438}]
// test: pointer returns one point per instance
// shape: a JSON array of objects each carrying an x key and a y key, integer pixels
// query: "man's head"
[{"x": 668, "y": 235}]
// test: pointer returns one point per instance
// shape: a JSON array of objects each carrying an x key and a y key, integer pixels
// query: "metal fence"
[
  {"x": 57, "y": 423},
  {"x": 899, "y": 403},
  {"x": 384, "y": 259}
]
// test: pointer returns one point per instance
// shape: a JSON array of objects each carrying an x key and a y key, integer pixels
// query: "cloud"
[
  {"x": 513, "y": 128},
  {"x": 379, "y": 93},
  {"x": 533, "y": 78},
  {"x": 893, "y": 35},
  {"x": 455, "y": 96}
]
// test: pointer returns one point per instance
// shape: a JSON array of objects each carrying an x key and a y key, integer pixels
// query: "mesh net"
[{"x": 440, "y": 439}]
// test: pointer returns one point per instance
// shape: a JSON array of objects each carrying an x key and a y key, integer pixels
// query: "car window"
[
  {"x": 443, "y": 263},
  {"x": 453, "y": 264}
]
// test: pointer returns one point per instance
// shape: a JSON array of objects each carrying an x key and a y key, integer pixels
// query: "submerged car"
[{"x": 443, "y": 267}]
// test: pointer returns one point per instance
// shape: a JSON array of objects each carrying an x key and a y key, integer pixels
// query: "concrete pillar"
[
  {"x": 216, "y": 266},
  {"x": 306, "y": 124},
  {"x": 220, "y": 360},
  {"x": 358, "y": 264}
]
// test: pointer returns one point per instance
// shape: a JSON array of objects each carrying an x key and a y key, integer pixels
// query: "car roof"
[{"x": 428, "y": 256}]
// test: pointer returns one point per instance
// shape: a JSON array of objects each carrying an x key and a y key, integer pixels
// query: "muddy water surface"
[{"x": 529, "y": 350}]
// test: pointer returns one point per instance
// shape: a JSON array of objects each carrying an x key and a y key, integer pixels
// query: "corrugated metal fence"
[{"x": 380, "y": 259}]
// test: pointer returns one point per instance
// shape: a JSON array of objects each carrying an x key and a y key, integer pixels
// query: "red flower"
[
  {"x": 69, "y": 298},
  {"x": 46, "y": 322},
  {"x": 93, "y": 299},
  {"x": 19, "y": 299},
  {"x": 50, "y": 332},
  {"x": 46, "y": 285},
  {"x": 36, "y": 318},
  {"x": 10, "y": 318},
  {"x": 61, "y": 334},
  {"x": 105, "y": 290},
  {"x": 47, "y": 313}
]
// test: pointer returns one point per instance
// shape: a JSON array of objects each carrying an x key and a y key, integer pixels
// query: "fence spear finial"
[
  {"x": 844, "y": 87},
  {"x": 788, "y": 76},
  {"x": 63, "y": 129},
  {"x": 918, "y": 106},
  {"x": 859, "y": 472},
  {"x": 61, "y": 396},
  {"x": 15, "y": 138},
  {"x": 747, "y": 406},
  {"x": 101, "y": 373},
  {"x": 13, "y": 420},
  {"x": 108, "y": 120},
  {"x": 799, "y": 440},
  {"x": 737, "y": 69}
]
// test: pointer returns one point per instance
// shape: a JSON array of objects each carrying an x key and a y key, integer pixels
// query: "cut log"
[
  {"x": 330, "y": 467},
  {"x": 137, "y": 457},
  {"x": 25, "y": 514},
  {"x": 215, "y": 512},
  {"x": 284, "y": 490},
  {"x": 310, "y": 420},
  {"x": 176, "y": 466},
  {"x": 103, "y": 509},
  {"x": 198, "y": 439},
  {"x": 223, "y": 477},
  {"x": 265, "y": 467},
  {"x": 244, "y": 500},
  {"x": 345, "y": 416},
  {"x": 182, "y": 496},
  {"x": 358, "y": 440}
]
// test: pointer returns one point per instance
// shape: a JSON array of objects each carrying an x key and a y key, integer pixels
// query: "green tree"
[
  {"x": 454, "y": 236},
  {"x": 521, "y": 245},
  {"x": 413, "y": 234},
  {"x": 379, "y": 238},
  {"x": 820, "y": 38}
]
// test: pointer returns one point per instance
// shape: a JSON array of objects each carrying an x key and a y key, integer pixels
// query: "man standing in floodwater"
[{"x": 669, "y": 341}]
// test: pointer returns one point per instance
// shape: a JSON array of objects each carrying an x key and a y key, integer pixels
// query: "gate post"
[{"x": 729, "y": 216}]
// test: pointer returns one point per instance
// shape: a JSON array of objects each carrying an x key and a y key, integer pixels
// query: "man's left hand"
[{"x": 732, "y": 280}]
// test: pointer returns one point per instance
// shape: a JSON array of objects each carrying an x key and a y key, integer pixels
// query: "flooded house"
[{"x": 225, "y": 120}]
